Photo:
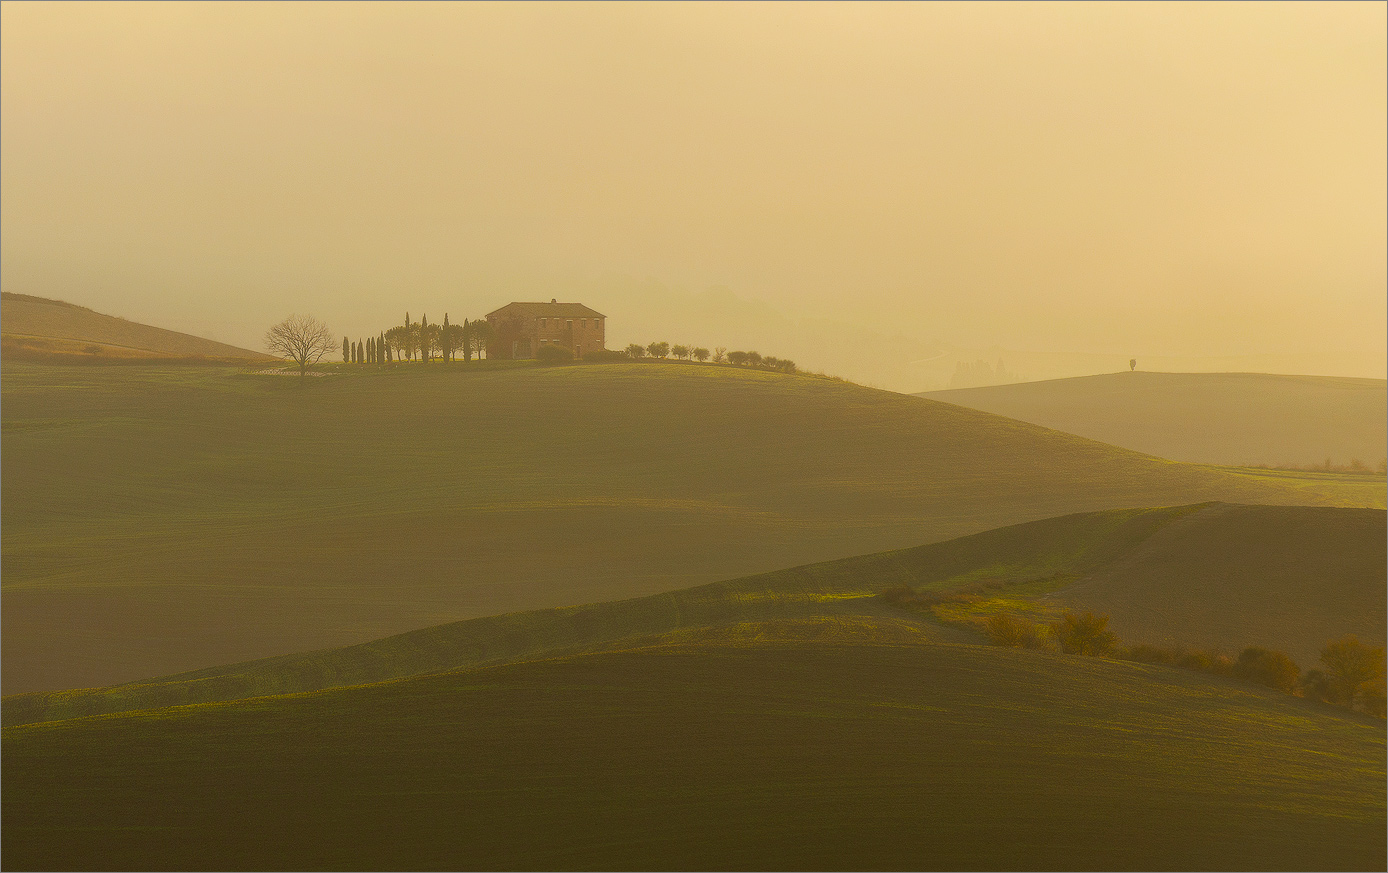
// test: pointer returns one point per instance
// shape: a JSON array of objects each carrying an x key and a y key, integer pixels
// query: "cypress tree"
[
  {"x": 447, "y": 340},
  {"x": 346, "y": 352},
  {"x": 382, "y": 351},
  {"x": 467, "y": 342},
  {"x": 424, "y": 338},
  {"x": 361, "y": 352},
  {"x": 371, "y": 350}
]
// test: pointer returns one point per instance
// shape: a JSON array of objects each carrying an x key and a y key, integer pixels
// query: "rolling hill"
[
  {"x": 1205, "y": 418},
  {"x": 157, "y": 520},
  {"x": 1211, "y": 575},
  {"x": 863, "y": 753},
  {"x": 39, "y": 328}
]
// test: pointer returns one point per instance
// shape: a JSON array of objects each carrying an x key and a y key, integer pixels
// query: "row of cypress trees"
[
  {"x": 405, "y": 340},
  {"x": 375, "y": 350}
]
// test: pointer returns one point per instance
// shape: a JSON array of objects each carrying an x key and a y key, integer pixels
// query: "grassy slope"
[
  {"x": 1288, "y": 577},
  {"x": 1209, "y": 418},
  {"x": 768, "y": 755},
  {"x": 1213, "y": 575},
  {"x": 165, "y": 519},
  {"x": 73, "y": 328}
]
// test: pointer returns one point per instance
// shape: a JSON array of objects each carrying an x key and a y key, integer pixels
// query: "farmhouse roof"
[{"x": 552, "y": 309}]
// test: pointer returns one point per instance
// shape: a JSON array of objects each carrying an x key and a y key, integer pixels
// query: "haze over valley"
[{"x": 656, "y": 436}]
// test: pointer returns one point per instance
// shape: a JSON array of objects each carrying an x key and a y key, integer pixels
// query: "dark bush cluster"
[
  {"x": 1354, "y": 674},
  {"x": 552, "y": 354}
]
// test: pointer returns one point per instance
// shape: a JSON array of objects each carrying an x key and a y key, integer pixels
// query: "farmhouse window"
[
  {"x": 569, "y": 324},
  {"x": 542, "y": 324}
]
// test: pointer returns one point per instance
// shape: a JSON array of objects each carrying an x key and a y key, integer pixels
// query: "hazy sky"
[{"x": 1180, "y": 180}]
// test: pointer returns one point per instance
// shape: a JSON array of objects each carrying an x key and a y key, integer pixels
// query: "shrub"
[
  {"x": 1011, "y": 631},
  {"x": 551, "y": 354},
  {"x": 1205, "y": 661},
  {"x": 1267, "y": 667},
  {"x": 1086, "y": 634},
  {"x": 1355, "y": 669}
]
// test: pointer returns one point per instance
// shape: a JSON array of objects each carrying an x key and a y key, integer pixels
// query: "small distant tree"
[
  {"x": 382, "y": 350},
  {"x": 425, "y": 346},
  {"x": 680, "y": 352},
  {"x": 1085, "y": 634},
  {"x": 361, "y": 351},
  {"x": 658, "y": 350},
  {"x": 371, "y": 350},
  {"x": 737, "y": 358},
  {"x": 346, "y": 351},
  {"x": 785, "y": 365},
  {"x": 700, "y": 354},
  {"x": 1267, "y": 667},
  {"x": 753, "y": 359},
  {"x": 1355, "y": 669},
  {"x": 770, "y": 362},
  {"x": 636, "y": 351},
  {"x": 719, "y": 354},
  {"x": 467, "y": 341},
  {"x": 301, "y": 338},
  {"x": 1132, "y": 364}
]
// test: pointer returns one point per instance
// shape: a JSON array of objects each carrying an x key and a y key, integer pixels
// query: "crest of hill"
[
  {"x": 1210, "y": 575},
  {"x": 43, "y": 329},
  {"x": 1205, "y": 418},
  {"x": 764, "y": 755}
]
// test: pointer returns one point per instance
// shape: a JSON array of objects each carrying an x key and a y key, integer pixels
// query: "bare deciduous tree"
[{"x": 301, "y": 338}]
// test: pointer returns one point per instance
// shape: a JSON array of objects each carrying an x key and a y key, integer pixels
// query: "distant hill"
[
  {"x": 1214, "y": 575},
  {"x": 1205, "y": 418},
  {"x": 42, "y": 329},
  {"x": 157, "y": 520},
  {"x": 858, "y": 753}
]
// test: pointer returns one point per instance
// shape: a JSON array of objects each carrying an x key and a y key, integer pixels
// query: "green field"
[
  {"x": 1207, "y": 418},
  {"x": 165, "y": 519},
  {"x": 1220, "y": 576},
  {"x": 859, "y": 754}
]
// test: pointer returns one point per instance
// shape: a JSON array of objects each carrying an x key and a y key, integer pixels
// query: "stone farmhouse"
[{"x": 519, "y": 330}]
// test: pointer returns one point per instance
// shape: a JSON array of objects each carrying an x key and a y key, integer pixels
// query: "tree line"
[
  {"x": 662, "y": 350},
  {"x": 422, "y": 341},
  {"x": 1352, "y": 673}
]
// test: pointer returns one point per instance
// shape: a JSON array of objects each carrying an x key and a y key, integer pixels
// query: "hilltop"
[
  {"x": 36, "y": 328},
  {"x": 857, "y": 754},
  {"x": 157, "y": 520},
  {"x": 1206, "y": 418},
  {"x": 1211, "y": 575}
]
